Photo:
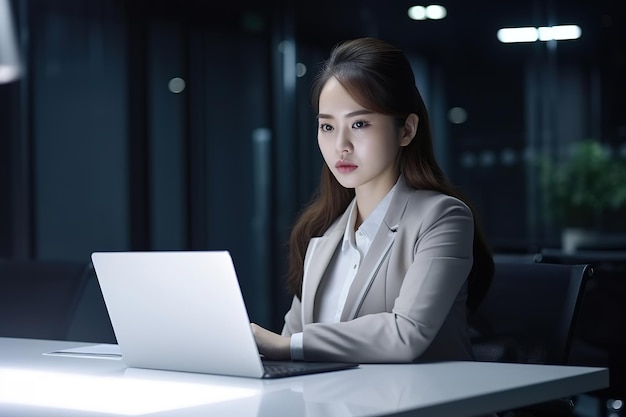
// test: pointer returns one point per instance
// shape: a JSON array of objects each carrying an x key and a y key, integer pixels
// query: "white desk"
[{"x": 70, "y": 387}]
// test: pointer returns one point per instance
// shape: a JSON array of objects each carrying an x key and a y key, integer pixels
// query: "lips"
[{"x": 345, "y": 166}]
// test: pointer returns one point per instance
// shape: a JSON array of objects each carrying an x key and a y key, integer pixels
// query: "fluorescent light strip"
[
  {"x": 433, "y": 12},
  {"x": 436, "y": 12},
  {"x": 515, "y": 35},
  {"x": 533, "y": 34},
  {"x": 559, "y": 33},
  {"x": 417, "y": 13}
]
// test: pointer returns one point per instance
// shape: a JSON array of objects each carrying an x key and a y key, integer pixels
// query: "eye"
[
  {"x": 325, "y": 127},
  {"x": 359, "y": 124}
]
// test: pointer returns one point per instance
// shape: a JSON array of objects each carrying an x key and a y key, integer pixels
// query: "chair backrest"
[
  {"x": 529, "y": 313},
  {"x": 51, "y": 299}
]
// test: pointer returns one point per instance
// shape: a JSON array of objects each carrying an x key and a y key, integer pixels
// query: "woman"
[{"x": 388, "y": 258}]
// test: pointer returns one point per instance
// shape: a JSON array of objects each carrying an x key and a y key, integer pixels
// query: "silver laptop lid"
[{"x": 179, "y": 311}]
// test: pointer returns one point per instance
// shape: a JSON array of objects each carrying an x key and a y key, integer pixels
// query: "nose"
[{"x": 343, "y": 142}]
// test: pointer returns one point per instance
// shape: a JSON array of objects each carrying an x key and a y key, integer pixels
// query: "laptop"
[{"x": 184, "y": 311}]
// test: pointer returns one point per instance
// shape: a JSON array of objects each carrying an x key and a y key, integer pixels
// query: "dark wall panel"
[
  {"x": 237, "y": 134},
  {"x": 79, "y": 134},
  {"x": 167, "y": 135}
]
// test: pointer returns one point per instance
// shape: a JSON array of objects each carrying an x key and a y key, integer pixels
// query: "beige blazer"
[{"x": 407, "y": 301}]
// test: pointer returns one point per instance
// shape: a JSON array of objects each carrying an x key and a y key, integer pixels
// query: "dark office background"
[{"x": 101, "y": 147}]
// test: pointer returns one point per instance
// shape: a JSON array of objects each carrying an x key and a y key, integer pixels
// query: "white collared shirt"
[{"x": 343, "y": 267}]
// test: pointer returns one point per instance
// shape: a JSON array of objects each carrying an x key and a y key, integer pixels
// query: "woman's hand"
[{"x": 271, "y": 345}]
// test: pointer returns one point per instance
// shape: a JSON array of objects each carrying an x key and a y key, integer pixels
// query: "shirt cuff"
[{"x": 295, "y": 347}]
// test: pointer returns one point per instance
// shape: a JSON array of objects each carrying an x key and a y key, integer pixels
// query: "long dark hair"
[{"x": 380, "y": 78}]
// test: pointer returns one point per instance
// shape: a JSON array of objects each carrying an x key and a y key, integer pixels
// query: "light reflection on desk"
[
  {"x": 367, "y": 390},
  {"x": 120, "y": 396},
  {"x": 331, "y": 394}
]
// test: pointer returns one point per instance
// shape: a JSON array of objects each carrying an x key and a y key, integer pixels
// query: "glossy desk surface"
[{"x": 34, "y": 384}]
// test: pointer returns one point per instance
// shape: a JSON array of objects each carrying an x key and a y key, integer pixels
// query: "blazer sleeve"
[
  {"x": 293, "y": 318},
  {"x": 432, "y": 256}
]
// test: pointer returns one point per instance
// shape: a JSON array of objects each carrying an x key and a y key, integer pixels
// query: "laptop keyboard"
[
  {"x": 283, "y": 370},
  {"x": 278, "y": 369}
]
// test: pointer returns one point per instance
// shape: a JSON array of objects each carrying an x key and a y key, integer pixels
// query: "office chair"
[
  {"x": 600, "y": 339},
  {"x": 517, "y": 257},
  {"x": 529, "y": 316},
  {"x": 48, "y": 299}
]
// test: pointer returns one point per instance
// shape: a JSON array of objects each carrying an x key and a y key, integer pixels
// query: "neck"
[{"x": 367, "y": 198}]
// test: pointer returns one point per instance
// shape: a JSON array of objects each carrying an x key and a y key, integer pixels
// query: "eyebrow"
[{"x": 351, "y": 114}]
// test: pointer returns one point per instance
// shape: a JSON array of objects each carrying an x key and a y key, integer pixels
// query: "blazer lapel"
[
  {"x": 377, "y": 253},
  {"x": 319, "y": 254}
]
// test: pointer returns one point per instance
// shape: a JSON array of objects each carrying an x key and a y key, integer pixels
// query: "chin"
[{"x": 346, "y": 183}]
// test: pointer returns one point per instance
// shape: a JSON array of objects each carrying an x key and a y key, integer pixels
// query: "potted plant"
[{"x": 582, "y": 188}]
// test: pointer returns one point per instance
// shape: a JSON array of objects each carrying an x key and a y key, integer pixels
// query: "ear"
[{"x": 409, "y": 129}]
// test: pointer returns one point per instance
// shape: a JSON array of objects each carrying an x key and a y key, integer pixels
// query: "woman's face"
[{"x": 359, "y": 146}]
